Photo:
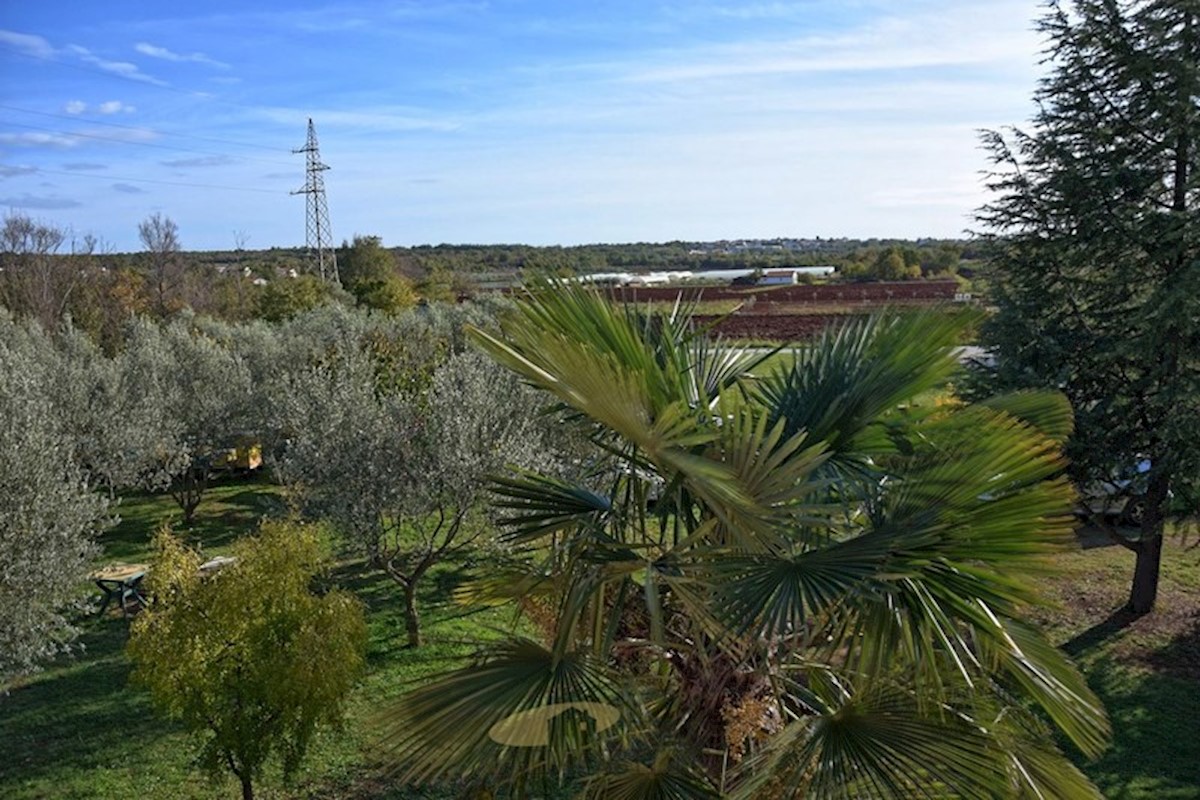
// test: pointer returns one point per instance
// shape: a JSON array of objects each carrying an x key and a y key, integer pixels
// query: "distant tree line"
[{"x": 48, "y": 273}]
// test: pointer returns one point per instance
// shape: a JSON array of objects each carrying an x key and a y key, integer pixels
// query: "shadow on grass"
[
  {"x": 1180, "y": 657},
  {"x": 1099, "y": 633},
  {"x": 1153, "y": 717},
  {"x": 41, "y": 728},
  {"x": 229, "y": 509}
]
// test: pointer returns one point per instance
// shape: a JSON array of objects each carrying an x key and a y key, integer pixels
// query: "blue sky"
[{"x": 510, "y": 120}]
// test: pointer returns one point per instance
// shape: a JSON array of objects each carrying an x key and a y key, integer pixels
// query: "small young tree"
[{"x": 249, "y": 657}]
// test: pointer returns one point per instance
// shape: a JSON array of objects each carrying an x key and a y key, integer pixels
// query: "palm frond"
[
  {"x": 880, "y": 743},
  {"x": 519, "y": 713},
  {"x": 1049, "y": 412},
  {"x": 855, "y": 372},
  {"x": 1040, "y": 672},
  {"x": 669, "y": 777},
  {"x": 536, "y": 505}
]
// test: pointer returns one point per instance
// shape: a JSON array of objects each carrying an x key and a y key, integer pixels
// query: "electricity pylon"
[{"x": 317, "y": 233}]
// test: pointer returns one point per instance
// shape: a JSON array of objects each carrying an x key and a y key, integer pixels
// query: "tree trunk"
[
  {"x": 1144, "y": 591},
  {"x": 1145, "y": 575},
  {"x": 412, "y": 619},
  {"x": 247, "y": 789}
]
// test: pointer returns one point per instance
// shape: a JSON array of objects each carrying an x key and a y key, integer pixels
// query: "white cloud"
[
  {"x": 154, "y": 51},
  {"x": 27, "y": 44},
  {"x": 123, "y": 68},
  {"x": 115, "y": 107},
  {"x": 38, "y": 140},
  {"x": 75, "y": 107},
  {"x": 948, "y": 39}
]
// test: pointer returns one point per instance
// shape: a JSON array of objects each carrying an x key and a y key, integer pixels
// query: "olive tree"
[
  {"x": 48, "y": 514},
  {"x": 401, "y": 473},
  {"x": 198, "y": 393},
  {"x": 107, "y": 416}
]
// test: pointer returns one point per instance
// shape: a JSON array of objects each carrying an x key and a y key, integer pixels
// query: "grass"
[
  {"x": 227, "y": 510},
  {"x": 79, "y": 730},
  {"x": 1145, "y": 669}
]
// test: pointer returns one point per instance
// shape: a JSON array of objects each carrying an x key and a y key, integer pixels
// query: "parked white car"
[{"x": 1121, "y": 499}]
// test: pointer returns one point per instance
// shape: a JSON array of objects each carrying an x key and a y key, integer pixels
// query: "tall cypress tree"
[{"x": 1095, "y": 249}]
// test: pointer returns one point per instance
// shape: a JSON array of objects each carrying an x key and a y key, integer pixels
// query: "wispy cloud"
[
  {"x": 389, "y": 119},
  {"x": 38, "y": 140},
  {"x": 27, "y": 44},
  {"x": 883, "y": 47},
  {"x": 200, "y": 161},
  {"x": 128, "y": 188},
  {"x": 11, "y": 171},
  {"x": 154, "y": 51},
  {"x": 125, "y": 69},
  {"x": 77, "y": 107},
  {"x": 44, "y": 202},
  {"x": 83, "y": 166}
]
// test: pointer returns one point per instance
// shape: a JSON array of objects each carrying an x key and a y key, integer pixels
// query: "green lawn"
[
  {"x": 78, "y": 730},
  {"x": 1146, "y": 670}
]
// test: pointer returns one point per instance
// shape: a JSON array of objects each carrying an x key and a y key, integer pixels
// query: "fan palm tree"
[{"x": 783, "y": 586}]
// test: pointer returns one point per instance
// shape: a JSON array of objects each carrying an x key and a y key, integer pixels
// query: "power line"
[
  {"x": 92, "y": 121},
  {"x": 142, "y": 144},
  {"x": 164, "y": 183}
]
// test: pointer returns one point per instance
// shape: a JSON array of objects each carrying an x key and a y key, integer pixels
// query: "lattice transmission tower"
[{"x": 317, "y": 232}]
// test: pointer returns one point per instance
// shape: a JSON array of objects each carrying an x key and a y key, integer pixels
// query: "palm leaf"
[
  {"x": 669, "y": 777},
  {"x": 518, "y": 713},
  {"x": 856, "y": 372},
  {"x": 537, "y": 505},
  {"x": 1049, "y": 412},
  {"x": 1041, "y": 673},
  {"x": 879, "y": 743}
]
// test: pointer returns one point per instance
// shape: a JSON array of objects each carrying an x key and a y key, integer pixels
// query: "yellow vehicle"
[{"x": 245, "y": 456}]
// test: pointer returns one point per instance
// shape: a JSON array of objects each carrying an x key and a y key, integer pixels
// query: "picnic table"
[{"x": 122, "y": 583}]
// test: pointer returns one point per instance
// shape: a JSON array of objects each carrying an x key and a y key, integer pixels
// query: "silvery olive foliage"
[
  {"x": 48, "y": 514},
  {"x": 387, "y": 425},
  {"x": 197, "y": 395},
  {"x": 110, "y": 420},
  {"x": 401, "y": 468}
]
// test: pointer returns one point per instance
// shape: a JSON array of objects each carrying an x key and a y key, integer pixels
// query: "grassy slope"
[
  {"x": 1146, "y": 670},
  {"x": 79, "y": 731}
]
